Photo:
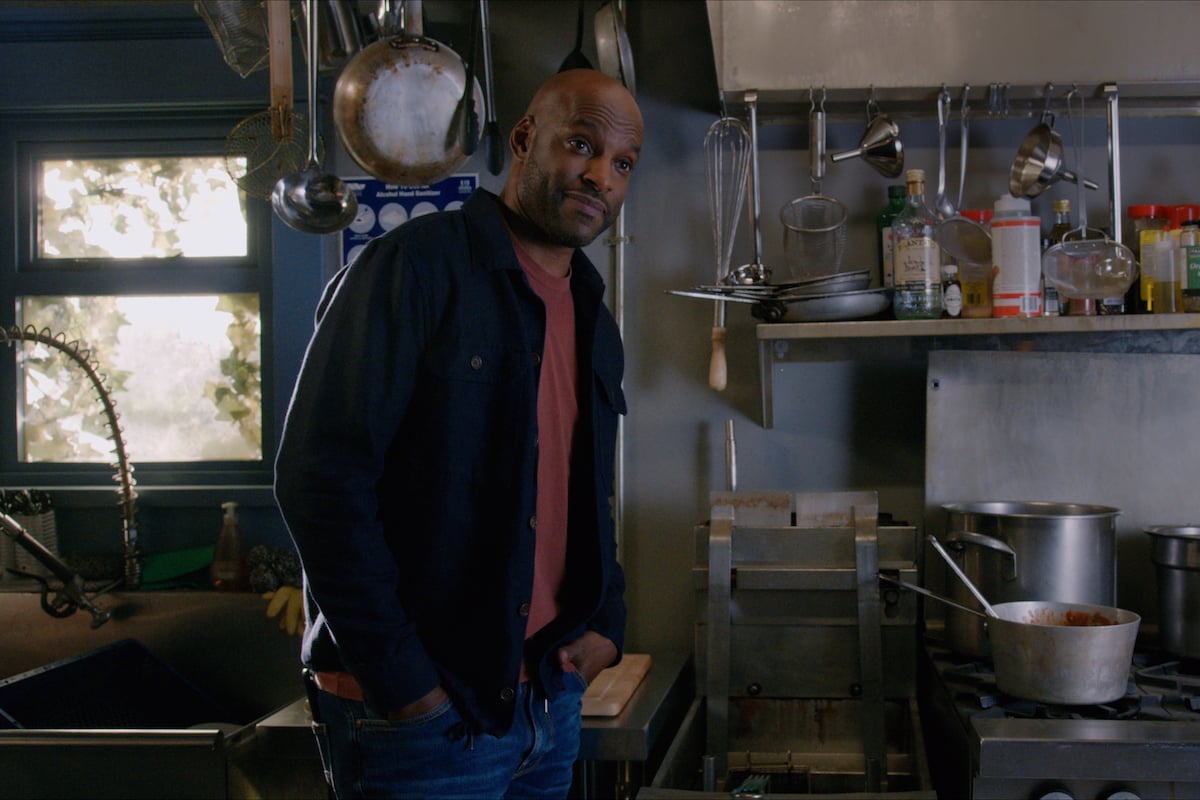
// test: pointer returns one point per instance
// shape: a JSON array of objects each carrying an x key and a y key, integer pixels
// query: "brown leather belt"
[{"x": 339, "y": 684}]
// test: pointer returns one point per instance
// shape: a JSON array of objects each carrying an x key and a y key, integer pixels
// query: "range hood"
[{"x": 908, "y": 49}]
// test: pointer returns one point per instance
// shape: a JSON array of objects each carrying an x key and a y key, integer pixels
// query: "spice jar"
[{"x": 1189, "y": 253}]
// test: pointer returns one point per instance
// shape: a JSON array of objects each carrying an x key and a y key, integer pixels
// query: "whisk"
[{"x": 727, "y": 158}]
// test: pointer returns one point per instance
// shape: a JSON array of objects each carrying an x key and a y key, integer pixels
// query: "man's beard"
[{"x": 544, "y": 208}]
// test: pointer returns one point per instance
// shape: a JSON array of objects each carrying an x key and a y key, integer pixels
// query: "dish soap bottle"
[{"x": 230, "y": 569}]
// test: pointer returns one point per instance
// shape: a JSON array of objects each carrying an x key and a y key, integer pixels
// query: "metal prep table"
[{"x": 615, "y": 753}]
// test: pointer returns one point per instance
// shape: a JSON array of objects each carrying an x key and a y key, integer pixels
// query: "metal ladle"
[
  {"x": 312, "y": 200},
  {"x": 962, "y": 576}
]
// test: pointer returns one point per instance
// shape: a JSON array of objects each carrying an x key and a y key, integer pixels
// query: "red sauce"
[{"x": 1082, "y": 618}]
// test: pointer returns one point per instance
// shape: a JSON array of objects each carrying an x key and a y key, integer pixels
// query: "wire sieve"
[
  {"x": 1086, "y": 263},
  {"x": 264, "y": 147},
  {"x": 814, "y": 226},
  {"x": 814, "y": 235}
]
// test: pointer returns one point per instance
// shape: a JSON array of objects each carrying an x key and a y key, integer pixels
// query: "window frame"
[{"x": 109, "y": 132}]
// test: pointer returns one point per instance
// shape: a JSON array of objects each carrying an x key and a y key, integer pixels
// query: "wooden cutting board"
[{"x": 613, "y": 687}]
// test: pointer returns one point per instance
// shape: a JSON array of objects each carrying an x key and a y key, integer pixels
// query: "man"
[{"x": 446, "y": 472}]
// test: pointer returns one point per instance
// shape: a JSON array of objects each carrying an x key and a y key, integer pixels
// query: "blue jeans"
[{"x": 432, "y": 756}]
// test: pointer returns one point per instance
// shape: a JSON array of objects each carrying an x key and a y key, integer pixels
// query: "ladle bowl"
[
  {"x": 314, "y": 201},
  {"x": 311, "y": 200}
]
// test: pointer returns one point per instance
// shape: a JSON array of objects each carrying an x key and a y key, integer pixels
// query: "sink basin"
[
  {"x": 114, "y": 722},
  {"x": 159, "y": 702}
]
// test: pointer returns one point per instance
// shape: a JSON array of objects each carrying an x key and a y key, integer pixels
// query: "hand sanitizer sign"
[{"x": 385, "y": 206}]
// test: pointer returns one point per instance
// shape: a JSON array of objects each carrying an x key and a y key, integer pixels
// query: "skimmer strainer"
[
  {"x": 1086, "y": 263},
  {"x": 264, "y": 147}
]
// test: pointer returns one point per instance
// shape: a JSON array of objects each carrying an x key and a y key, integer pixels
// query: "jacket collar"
[{"x": 492, "y": 243}]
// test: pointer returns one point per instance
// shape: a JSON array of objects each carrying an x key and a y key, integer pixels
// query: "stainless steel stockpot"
[
  {"x": 1175, "y": 551},
  {"x": 1027, "y": 550}
]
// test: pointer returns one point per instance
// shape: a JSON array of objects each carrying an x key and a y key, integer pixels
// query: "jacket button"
[
  {"x": 507, "y": 694},
  {"x": 523, "y": 609},
  {"x": 537, "y": 359},
  {"x": 533, "y": 522},
  {"x": 476, "y": 362}
]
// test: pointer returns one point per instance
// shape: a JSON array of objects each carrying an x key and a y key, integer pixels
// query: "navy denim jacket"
[{"x": 406, "y": 472}]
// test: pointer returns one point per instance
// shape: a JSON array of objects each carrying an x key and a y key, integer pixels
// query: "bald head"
[
  {"x": 575, "y": 86},
  {"x": 573, "y": 156}
]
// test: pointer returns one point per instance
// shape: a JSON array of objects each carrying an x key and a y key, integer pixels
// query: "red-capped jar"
[{"x": 1177, "y": 215}]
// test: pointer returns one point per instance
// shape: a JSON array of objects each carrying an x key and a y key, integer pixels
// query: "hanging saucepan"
[{"x": 394, "y": 104}]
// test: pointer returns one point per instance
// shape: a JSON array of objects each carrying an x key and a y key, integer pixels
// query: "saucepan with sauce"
[
  {"x": 1053, "y": 652},
  {"x": 1070, "y": 653}
]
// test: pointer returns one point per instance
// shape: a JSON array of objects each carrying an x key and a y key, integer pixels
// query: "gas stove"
[{"x": 1142, "y": 746}]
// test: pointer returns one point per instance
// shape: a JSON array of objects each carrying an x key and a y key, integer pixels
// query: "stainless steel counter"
[
  {"x": 654, "y": 709},
  {"x": 637, "y": 735}
]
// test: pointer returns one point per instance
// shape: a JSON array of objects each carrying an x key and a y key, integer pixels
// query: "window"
[{"x": 142, "y": 249}]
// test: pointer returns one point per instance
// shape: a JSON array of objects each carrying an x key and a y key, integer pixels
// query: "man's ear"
[{"x": 521, "y": 138}]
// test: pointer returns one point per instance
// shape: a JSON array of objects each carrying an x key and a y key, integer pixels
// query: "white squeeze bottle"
[{"x": 1016, "y": 259}]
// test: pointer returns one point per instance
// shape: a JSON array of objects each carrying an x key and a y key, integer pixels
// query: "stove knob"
[
  {"x": 1056, "y": 795},
  {"x": 1123, "y": 795}
]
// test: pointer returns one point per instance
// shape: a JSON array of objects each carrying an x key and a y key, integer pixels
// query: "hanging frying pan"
[
  {"x": 612, "y": 45},
  {"x": 394, "y": 104}
]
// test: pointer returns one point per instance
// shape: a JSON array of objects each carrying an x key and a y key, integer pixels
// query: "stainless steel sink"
[{"x": 160, "y": 702}]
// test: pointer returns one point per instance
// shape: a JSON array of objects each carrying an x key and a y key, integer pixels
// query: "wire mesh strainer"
[
  {"x": 814, "y": 226},
  {"x": 264, "y": 147},
  {"x": 814, "y": 236}
]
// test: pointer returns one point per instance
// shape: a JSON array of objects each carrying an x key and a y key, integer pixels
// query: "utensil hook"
[
  {"x": 872, "y": 106},
  {"x": 1077, "y": 135},
  {"x": 816, "y": 139},
  {"x": 1047, "y": 114},
  {"x": 964, "y": 112}
]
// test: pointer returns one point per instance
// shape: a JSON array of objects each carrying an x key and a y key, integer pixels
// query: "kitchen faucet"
[
  {"x": 72, "y": 595},
  {"x": 72, "y": 583}
]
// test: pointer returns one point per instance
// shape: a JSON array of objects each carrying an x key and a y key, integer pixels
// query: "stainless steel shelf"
[
  {"x": 989, "y": 326},
  {"x": 784, "y": 342}
]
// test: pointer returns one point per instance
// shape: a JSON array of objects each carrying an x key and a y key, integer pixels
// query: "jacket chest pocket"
[{"x": 485, "y": 364}]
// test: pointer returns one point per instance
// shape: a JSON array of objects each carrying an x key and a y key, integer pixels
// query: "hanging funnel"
[{"x": 880, "y": 147}]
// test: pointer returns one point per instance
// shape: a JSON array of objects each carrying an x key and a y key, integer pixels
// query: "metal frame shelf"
[{"x": 785, "y": 342}]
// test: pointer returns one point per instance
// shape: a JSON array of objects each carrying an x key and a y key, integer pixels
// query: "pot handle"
[{"x": 959, "y": 538}]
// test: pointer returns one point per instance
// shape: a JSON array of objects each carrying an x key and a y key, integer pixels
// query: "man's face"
[{"x": 579, "y": 165}]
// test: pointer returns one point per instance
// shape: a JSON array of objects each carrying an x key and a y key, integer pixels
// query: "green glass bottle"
[{"x": 883, "y": 227}]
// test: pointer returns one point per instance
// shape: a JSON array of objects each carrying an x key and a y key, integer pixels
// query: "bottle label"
[
  {"x": 952, "y": 300},
  {"x": 885, "y": 240},
  {"x": 917, "y": 261},
  {"x": 1016, "y": 251},
  {"x": 1193, "y": 266}
]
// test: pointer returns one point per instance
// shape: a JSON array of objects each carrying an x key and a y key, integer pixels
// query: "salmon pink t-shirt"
[{"x": 557, "y": 413}]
